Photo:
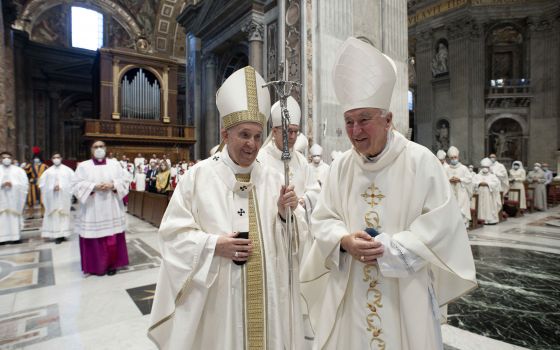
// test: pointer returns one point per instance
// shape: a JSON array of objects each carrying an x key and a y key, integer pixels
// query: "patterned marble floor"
[{"x": 47, "y": 303}]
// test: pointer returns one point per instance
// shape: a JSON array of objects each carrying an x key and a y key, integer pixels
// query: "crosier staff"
[{"x": 284, "y": 90}]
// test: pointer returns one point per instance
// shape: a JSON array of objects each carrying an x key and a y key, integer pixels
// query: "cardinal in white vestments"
[
  {"x": 537, "y": 180},
  {"x": 460, "y": 179},
  {"x": 56, "y": 189},
  {"x": 13, "y": 194},
  {"x": 223, "y": 283},
  {"x": 517, "y": 177},
  {"x": 100, "y": 184},
  {"x": 319, "y": 167},
  {"x": 501, "y": 173},
  {"x": 487, "y": 185},
  {"x": 382, "y": 292}
]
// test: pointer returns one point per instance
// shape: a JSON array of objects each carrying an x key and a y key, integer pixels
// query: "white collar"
[{"x": 237, "y": 169}]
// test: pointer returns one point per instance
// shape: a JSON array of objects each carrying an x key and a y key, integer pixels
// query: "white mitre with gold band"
[
  {"x": 293, "y": 110},
  {"x": 242, "y": 98},
  {"x": 363, "y": 76}
]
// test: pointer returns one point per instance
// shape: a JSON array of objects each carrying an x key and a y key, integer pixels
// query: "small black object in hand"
[
  {"x": 244, "y": 235},
  {"x": 371, "y": 231}
]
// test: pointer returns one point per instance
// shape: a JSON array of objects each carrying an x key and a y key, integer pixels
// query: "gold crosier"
[
  {"x": 255, "y": 303},
  {"x": 372, "y": 196}
]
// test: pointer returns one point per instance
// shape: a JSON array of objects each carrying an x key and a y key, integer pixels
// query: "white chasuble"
[
  {"x": 463, "y": 189},
  {"x": 405, "y": 195},
  {"x": 489, "y": 199},
  {"x": 517, "y": 178},
  {"x": 101, "y": 213},
  {"x": 205, "y": 301},
  {"x": 12, "y": 202},
  {"x": 57, "y": 218}
]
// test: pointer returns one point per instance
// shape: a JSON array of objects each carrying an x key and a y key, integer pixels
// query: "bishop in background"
[{"x": 382, "y": 292}]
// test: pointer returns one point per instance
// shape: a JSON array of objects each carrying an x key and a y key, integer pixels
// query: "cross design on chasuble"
[
  {"x": 241, "y": 212},
  {"x": 373, "y": 323},
  {"x": 243, "y": 188}
]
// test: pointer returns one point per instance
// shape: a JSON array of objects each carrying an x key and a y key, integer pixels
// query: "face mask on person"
[
  {"x": 515, "y": 167},
  {"x": 454, "y": 161},
  {"x": 484, "y": 170},
  {"x": 7, "y": 161},
  {"x": 536, "y": 168},
  {"x": 493, "y": 160},
  {"x": 316, "y": 159},
  {"x": 99, "y": 153},
  {"x": 57, "y": 161},
  {"x": 36, "y": 160},
  {"x": 544, "y": 168}
]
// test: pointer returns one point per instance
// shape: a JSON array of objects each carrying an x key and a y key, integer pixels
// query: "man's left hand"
[{"x": 288, "y": 198}]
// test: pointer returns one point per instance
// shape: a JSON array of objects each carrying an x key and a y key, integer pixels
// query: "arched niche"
[
  {"x": 507, "y": 136},
  {"x": 442, "y": 133}
]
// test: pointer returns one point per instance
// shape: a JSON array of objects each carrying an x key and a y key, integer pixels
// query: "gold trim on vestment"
[
  {"x": 373, "y": 197},
  {"x": 252, "y": 114},
  {"x": 255, "y": 306}
]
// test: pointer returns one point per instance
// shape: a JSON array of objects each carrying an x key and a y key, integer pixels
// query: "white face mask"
[
  {"x": 515, "y": 167},
  {"x": 454, "y": 161},
  {"x": 493, "y": 160},
  {"x": 6, "y": 161},
  {"x": 316, "y": 159},
  {"x": 536, "y": 168},
  {"x": 57, "y": 161},
  {"x": 99, "y": 153},
  {"x": 36, "y": 161},
  {"x": 484, "y": 170}
]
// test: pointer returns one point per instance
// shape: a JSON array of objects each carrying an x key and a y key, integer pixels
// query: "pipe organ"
[{"x": 140, "y": 96}]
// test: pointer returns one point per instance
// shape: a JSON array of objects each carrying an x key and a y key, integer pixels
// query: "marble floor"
[{"x": 47, "y": 303}]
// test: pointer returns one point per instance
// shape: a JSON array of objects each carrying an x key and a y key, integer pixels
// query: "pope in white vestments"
[
  {"x": 217, "y": 290},
  {"x": 319, "y": 167},
  {"x": 100, "y": 184},
  {"x": 13, "y": 194},
  {"x": 56, "y": 190},
  {"x": 487, "y": 185},
  {"x": 383, "y": 292},
  {"x": 460, "y": 179}
]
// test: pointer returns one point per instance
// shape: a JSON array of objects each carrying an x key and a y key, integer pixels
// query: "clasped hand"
[
  {"x": 362, "y": 247},
  {"x": 236, "y": 249},
  {"x": 105, "y": 186},
  {"x": 287, "y": 198}
]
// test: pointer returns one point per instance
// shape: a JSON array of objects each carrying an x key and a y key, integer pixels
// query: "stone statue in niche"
[
  {"x": 439, "y": 62},
  {"x": 505, "y": 143},
  {"x": 442, "y": 135},
  {"x": 505, "y": 139}
]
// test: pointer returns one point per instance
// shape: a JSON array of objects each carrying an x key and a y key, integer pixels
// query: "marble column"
[
  {"x": 211, "y": 123},
  {"x": 193, "y": 92},
  {"x": 474, "y": 150},
  {"x": 383, "y": 23},
  {"x": 54, "y": 137},
  {"x": 255, "y": 32}
]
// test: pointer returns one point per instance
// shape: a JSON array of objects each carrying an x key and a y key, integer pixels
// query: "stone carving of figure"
[
  {"x": 502, "y": 142},
  {"x": 442, "y": 137},
  {"x": 439, "y": 62}
]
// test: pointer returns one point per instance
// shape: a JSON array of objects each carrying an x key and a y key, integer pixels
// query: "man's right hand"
[
  {"x": 362, "y": 247},
  {"x": 7, "y": 184},
  {"x": 227, "y": 246}
]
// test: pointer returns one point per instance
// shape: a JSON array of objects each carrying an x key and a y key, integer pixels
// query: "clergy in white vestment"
[
  {"x": 441, "y": 157},
  {"x": 460, "y": 179},
  {"x": 487, "y": 185},
  {"x": 537, "y": 180},
  {"x": 301, "y": 144},
  {"x": 56, "y": 189},
  {"x": 139, "y": 160},
  {"x": 270, "y": 155},
  {"x": 383, "y": 292},
  {"x": 547, "y": 174},
  {"x": 501, "y": 172},
  {"x": 517, "y": 177},
  {"x": 140, "y": 178},
  {"x": 217, "y": 290},
  {"x": 13, "y": 194},
  {"x": 320, "y": 168},
  {"x": 100, "y": 184}
]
